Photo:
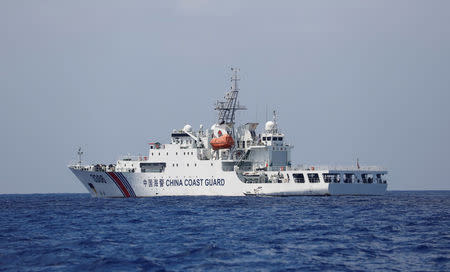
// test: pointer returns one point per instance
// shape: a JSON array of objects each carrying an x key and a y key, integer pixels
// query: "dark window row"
[
  {"x": 336, "y": 178},
  {"x": 167, "y": 153},
  {"x": 300, "y": 178},
  {"x": 274, "y": 138}
]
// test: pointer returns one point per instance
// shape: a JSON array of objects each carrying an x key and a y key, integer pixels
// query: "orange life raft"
[{"x": 223, "y": 142}]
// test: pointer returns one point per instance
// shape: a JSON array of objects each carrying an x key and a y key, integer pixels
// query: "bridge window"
[
  {"x": 298, "y": 178},
  {"x": 313, "y": 178},
  {"x": 264, "y": 138},
  {"x": 152, "y": 167}
]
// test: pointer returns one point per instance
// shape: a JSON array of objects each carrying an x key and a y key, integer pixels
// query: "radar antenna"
[
  {"x": 227, "y": 109},
  {"x": 80, "y": 153}
]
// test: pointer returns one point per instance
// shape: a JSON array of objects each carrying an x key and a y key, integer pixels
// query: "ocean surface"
[{"x": 401, "y": 231}]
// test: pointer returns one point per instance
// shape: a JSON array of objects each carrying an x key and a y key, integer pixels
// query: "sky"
[{"x": 349, "y": 79}]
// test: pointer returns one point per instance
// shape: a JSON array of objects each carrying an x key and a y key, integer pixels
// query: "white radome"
[
  {"x": 187, "y": 128},
  {"x": 270, "y": 125}
]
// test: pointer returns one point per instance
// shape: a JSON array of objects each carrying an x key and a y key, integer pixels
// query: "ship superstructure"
[{"x": 226, "y": 160}]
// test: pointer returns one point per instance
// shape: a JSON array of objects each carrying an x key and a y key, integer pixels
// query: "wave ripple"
[{"x": 401, "y": 231}]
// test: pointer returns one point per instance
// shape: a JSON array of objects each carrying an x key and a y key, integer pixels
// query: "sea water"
[{"x": 400, "y": 231}]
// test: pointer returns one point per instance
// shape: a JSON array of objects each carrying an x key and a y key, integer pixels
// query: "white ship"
[{"x": 225, "y": 160}]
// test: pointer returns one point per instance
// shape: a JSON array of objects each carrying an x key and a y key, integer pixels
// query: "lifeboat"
[{"x": 223, "y": 142}]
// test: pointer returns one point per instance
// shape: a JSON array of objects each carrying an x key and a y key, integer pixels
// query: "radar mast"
[{"x": 227, "y": 109}]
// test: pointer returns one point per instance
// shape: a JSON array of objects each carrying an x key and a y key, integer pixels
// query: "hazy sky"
[{"x": 367, "y": 79}]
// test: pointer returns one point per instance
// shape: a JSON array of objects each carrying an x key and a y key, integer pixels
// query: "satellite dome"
[
  {"x": 270, "y": 125},
  {"x": 187, "y": 128}
]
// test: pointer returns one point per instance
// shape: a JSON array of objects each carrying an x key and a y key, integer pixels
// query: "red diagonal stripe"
[{"x": 122, "y": 187}]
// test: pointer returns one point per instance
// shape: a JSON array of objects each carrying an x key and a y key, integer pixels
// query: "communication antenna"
[
  {"x": 80, "y": 153},
  {"x": 275, "y": 129}
]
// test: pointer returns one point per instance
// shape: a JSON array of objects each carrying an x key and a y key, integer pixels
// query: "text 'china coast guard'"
[{"x": 225, "y": 160}]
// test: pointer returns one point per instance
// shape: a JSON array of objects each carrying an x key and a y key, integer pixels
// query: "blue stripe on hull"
[
  {"x": 123, "y": 193},
  {"x": 126, "y": 183}
]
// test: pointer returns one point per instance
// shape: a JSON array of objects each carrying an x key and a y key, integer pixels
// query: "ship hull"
[{"x": 212, "y": 183}]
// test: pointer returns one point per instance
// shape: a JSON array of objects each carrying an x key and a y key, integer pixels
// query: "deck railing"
[{"x": 337, "y": 168}]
